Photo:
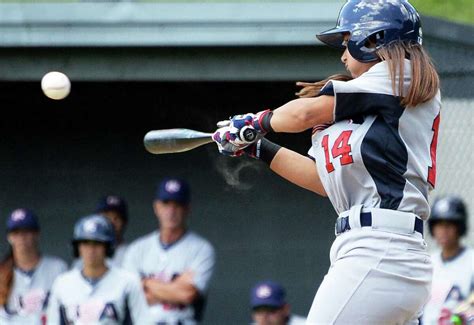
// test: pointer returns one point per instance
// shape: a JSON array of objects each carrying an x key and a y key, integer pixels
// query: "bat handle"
[{"x": 248, "y": 134}]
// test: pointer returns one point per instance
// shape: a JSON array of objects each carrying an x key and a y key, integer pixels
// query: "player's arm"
[
  {"x": 303, "y": 113},
  {"x": 295, "y": 116},
  {"x": 189, "y": 285},
  {"x": 179, "y": 291},
  {"x": 294, "y": 167},
  {"x": 290, "y": 165},
  {"x": 298, "y": 169},
  {"x": 136, "y": 301}
]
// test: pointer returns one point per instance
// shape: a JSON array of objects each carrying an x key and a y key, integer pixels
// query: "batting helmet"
[
  {"x": 449, "y": 208},
  {"x": 373, "y": 22},
  {"x": 94, "y": 228}
]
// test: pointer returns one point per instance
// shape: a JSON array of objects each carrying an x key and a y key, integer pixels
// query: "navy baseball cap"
[
  {"x": 22, "y": 219},
  {"x": 113, "y": 203},
  {"x": 174, "y": 189},
  {"x": 267, "y": 294}
]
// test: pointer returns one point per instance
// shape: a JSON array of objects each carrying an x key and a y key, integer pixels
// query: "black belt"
[{"x": 342, "y": 224}]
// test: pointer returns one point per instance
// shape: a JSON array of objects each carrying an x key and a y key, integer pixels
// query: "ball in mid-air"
[{"x": 55, "y": 85}]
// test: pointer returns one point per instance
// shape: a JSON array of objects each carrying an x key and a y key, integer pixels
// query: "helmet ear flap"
[
  {"x": 367, "y": 48},
  {"x": 363, "y": 53},
  {"x": 375, "y": 40}
]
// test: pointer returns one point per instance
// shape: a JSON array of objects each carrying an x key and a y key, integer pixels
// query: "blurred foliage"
[{"x": 456, "y": 10}]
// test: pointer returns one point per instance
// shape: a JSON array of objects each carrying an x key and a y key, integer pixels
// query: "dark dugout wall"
[{"x": 59, "y": 157}]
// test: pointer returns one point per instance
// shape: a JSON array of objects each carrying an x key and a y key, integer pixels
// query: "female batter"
[{"x": 375, "y": 161}]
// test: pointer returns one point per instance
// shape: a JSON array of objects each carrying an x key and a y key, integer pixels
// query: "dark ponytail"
[
  {"x": 312, "y": 89},
  {"x": 6, "y": 277}
]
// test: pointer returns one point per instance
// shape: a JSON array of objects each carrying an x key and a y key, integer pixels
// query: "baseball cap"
[
  {"x": 113, "y": 203},
  {"x": 268, "y": 294},
  {"x": 173, "y": 189},
  {"x": 22, "y": 219}
]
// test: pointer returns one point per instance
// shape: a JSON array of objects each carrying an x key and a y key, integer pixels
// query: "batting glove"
[
  {"x": 228, "y": 142},
  {"x": 259, "y": 121}
]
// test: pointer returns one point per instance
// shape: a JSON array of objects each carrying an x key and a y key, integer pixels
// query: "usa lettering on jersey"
[
  {"x": 31, "y": 302},
  {"x": 89, "y": 312},
  {"x": 115, "y": 298}
]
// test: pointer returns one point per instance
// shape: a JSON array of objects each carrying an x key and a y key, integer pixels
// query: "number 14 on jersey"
[{"x": 341, "y": 148}]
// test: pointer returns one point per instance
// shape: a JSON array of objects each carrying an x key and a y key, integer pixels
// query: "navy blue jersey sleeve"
[
  {"x": 351, "y": 101},
  {"x": 327, "y": 90},
  {"x": 350, "y": 105}
]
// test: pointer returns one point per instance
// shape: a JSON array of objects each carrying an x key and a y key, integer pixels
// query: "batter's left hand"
[{"x": 228, "y": 142}]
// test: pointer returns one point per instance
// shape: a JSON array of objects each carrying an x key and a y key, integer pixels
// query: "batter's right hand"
[{"x": 259, "y": 121}]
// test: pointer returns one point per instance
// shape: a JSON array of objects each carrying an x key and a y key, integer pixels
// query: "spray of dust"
[
  {"x": 237, "y": 172},
  {"x": 233, "y": 170}
]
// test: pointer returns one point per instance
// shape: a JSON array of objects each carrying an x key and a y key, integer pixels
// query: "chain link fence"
[{"x": 455, "y": 158}]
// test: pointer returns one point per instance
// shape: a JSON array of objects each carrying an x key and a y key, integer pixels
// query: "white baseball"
[{"x": 55, "y": 85}]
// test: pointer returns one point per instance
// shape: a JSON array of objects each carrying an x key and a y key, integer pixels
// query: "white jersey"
[
  {"x": 453, "y": 282},
  {"x": 150, "y": 259},
  {"x": 377, "y": 154},
  {"x": 115, "y": 260},
  {"x": 116, "y": 298},
  {"x": 29, "y": 296},
  {"x": 119, "y": 254},
  {"x": 297, "y": 320}
]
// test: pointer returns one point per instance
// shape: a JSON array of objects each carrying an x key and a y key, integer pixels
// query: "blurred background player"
[
  {"x": 115, "y": 209},
  {"x": 175, "y": 264},
  {"x": 269, "y": 306},
  {"x": 453, "y": 263},
  {"x": 26, "y": 276},
  {"x": 98, "y": 293},
  {"x": 464, "y": 313}
]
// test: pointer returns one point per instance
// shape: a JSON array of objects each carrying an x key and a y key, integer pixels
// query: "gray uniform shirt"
[
  {"x": 150, "y": 259},
  {"x": 29, "y": 296}
]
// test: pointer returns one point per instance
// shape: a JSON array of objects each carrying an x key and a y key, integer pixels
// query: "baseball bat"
[{"x": 179, "y": 140}]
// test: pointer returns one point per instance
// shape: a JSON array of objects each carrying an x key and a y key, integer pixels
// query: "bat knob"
[
  {"x": 223, "y": 123},
  {"x": 248, "y": 134}
]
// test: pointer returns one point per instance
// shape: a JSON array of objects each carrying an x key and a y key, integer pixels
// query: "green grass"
[{"x": 455, "y": 10}]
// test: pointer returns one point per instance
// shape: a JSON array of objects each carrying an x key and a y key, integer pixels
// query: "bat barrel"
[
  {"x": 179, "y": 140},
  {"x": 174, "y": 140}
]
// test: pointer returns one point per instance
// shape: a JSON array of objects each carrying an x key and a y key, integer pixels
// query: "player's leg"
[
  {"x": 415, "y": 320},
  {"x": 372, "y": 280}
]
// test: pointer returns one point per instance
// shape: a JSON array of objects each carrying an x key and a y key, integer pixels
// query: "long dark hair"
[
  {"x": 6, "y": 277},
  {"x": 424, "y": 83},
  {"x": 312, "y": 89}
]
